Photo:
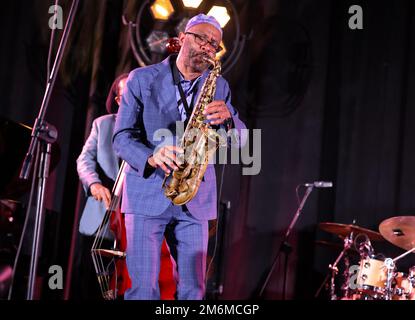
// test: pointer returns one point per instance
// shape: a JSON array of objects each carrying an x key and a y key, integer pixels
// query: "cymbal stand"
[
  {"x": 334, "y": 270},
  {"x": 390, "y": 266},
  {"x": 346, "y": 276}
]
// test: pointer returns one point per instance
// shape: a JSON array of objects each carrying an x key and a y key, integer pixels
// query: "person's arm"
[
  {"x": 86, "y": 163},
  {"x": 224, "y": 117},
  {"x": 128, "y": 140},
  {"x": 86, "y": 167}
]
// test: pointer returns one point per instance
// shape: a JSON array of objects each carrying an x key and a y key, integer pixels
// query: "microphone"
[{"x": 319, "y": 184}]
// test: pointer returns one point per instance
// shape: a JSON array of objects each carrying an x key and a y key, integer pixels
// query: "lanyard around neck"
[{"x": 176, "y": 79}]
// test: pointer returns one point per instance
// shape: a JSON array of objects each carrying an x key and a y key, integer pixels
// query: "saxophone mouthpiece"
[{"x": 209, "y": 59}]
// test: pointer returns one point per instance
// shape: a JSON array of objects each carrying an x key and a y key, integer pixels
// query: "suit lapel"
[
  {"x": 164, "y": 92},
  {"x": 200, "y": 84}
]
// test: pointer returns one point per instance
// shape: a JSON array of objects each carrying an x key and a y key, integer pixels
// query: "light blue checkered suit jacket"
[
  {"x": 96, "y": 163},
  {"x": 148, "y": 104}
]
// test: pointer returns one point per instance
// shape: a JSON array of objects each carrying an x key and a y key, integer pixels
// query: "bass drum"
[{"x": 404, "y": 288}]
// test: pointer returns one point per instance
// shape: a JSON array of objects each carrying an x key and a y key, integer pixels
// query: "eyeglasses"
[{"x": 202, "y": 40}]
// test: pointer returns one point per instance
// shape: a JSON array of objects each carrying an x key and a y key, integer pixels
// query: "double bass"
[{"x": 109, "y": 263}]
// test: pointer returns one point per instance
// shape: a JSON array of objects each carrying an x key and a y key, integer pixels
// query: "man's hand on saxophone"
[
  {"x": 217, "y": 112},
  {"x": 166, "y": 158}
]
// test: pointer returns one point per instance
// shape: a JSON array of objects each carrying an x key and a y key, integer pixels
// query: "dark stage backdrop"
[{"x": 332, "y": 103}]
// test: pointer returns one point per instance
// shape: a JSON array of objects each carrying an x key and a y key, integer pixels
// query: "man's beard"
[{"x": 197, "y": 63}]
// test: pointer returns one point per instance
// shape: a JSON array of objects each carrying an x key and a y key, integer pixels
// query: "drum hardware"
[
  {"x": 345, "y": 288},
  {"x": 334, "y": 270},
  {"x": 377, "y": 277},
  {"x": 390, "y": 267},
  {"x": 347, "y": 232},
  {"x": 404, "y": 286},
  {"x": 365, "y": 247},
  {"x": 412, "y": 276},
  {"x": 347, "y": 244}
]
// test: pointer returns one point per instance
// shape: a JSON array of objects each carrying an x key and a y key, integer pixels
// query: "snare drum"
[{"x": 372, "y": 277}]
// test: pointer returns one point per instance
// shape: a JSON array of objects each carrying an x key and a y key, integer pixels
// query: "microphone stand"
[
  {"x": 43, "y": 135},
  {"x": 285, "y": 247}
]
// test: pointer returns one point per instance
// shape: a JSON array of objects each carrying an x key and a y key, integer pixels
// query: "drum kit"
[{"x": 374, "y": 276}]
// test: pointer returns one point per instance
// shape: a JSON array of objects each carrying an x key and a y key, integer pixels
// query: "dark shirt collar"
[{"x": 177, "y": 75}]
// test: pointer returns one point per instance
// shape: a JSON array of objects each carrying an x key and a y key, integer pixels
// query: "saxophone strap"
[{"x": 176, "y": 80}]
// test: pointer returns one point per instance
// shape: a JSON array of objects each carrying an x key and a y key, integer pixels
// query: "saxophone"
[{"x": 197, "y": 142}]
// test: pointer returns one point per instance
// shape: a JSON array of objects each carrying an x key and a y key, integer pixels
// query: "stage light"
[
  {"x": 162, "y": 9},
  {"x": 149, "y": 39},
  {"x": 220, "y": 14},
  {"x": 221, "y": 53},
  {"x": 157, "y": 41},
  {"x": 192, "y": 3}
]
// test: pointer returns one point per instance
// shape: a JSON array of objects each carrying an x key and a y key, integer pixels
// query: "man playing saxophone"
[{"x": 155, "y": 98}]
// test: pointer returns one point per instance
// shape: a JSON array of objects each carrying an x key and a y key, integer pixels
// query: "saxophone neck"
[
  {"x": 214, "y": 62},
  {"x": 209, "y": 59}
]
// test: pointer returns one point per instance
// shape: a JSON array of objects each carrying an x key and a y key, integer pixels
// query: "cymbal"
[
  {"x": 14, "y": 134},
  {"x": 333, "y": 245},
  {"x": 344, "y": 230},
  {"x": 399, "y": 231}
]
